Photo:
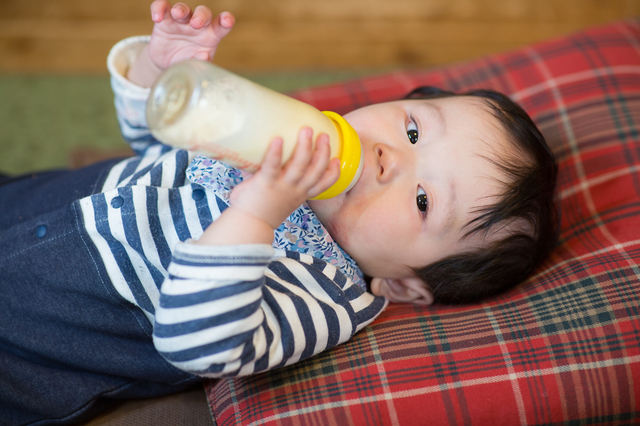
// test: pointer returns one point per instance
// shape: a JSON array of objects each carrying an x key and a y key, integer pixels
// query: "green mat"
[{"x": 43, "y": 118}]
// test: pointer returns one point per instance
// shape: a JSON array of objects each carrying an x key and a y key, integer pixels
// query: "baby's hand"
[
  {"x": 275, "y": 191},
  {"x": 262, "y": 202},
  {"x": 180, "y": 34}
]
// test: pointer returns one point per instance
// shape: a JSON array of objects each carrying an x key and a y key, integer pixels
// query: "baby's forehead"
[
  {"x": 494, "y": 154},
  {"x": 473, "y": 112},
  {"x": 477, "y": 120},
  {"x": 466, "y": 105}
]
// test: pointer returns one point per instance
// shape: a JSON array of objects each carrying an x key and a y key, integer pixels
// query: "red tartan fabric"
[{"x": 563, "y": 348}]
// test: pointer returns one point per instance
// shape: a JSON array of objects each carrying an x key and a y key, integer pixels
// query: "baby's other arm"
[{"x": 178, "y": 34}]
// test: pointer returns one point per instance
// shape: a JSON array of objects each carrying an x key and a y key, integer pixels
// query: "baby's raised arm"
[
  {"x": 261, "y": 203},
  {"x": 178, "y": 34}
]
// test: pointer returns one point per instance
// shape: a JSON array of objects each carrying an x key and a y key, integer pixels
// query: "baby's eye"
[
  {"x": 412, "y": 132},
  {"x": 422, "y": 201}
]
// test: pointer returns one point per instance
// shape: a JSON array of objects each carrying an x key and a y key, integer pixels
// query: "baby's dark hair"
[{"x": 526, "y": 202}]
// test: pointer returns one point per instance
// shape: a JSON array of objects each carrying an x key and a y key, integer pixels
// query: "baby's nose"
[{"x": 389, "y": 162}]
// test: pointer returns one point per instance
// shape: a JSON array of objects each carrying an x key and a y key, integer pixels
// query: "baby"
[
  {"x": 139, "y": 277},
  {"x": 455, "y": 201}
]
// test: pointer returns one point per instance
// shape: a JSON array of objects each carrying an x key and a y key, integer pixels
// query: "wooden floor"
[{"x": 75, "y": 35}]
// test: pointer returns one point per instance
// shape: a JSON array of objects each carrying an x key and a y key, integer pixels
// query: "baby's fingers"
[
  {"x": 271, "y": 165},
  {"x": 318, "y": 162},
  {"x": 159, "y": 9},
  {"x": 328, "y": 178},
  {"x": 226, "y": 21},
  {"x": 220, "y": 27},
  {"x": 181, "y": 13},
  {"x": 298, "y": 164},
  {"x": 322, "y": 171},
  {"x": 201, "y": 17}
]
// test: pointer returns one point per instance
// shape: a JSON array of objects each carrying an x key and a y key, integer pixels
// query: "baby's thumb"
[{"x": 202, "y": 56}]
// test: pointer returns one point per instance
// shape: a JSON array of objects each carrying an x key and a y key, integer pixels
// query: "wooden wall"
[{"x": 75, "y": 35}]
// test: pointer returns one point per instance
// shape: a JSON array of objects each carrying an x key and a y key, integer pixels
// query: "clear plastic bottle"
[{"x": 200, "y": 107}]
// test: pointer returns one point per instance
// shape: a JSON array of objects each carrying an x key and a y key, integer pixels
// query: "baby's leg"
[
  {"x": 27, "y": 196},
  {"x": 67, "y": 337}
]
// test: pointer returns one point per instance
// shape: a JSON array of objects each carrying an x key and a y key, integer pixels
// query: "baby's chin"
[{"x": 326, "y": 209}]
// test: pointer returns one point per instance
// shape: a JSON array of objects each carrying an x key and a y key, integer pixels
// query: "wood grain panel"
[{"x": 76, "y": 35}]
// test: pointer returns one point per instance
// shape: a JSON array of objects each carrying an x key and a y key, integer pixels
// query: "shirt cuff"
[
  {"x": 242, "y": 262},
  {"x": 119, "y": 61}
]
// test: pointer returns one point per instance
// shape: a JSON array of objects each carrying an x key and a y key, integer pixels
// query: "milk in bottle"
[{"x": 203, "y": 108}]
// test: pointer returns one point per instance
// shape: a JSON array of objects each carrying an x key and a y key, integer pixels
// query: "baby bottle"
[{"x": 200, "y": 107}]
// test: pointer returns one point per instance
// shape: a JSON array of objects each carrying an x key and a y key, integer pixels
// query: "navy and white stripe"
[
  {"x": 217, "y": 310},
  {"x": 242, "y": 309}
]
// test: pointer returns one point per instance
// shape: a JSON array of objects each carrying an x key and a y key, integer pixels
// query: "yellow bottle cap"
[{"x": 350, "y": 157}]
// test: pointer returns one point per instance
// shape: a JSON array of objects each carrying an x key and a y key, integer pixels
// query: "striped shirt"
[{"x": 217, "y": 310}]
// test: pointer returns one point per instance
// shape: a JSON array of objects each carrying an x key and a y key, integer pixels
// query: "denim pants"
[{"x": 69, "y": 342}]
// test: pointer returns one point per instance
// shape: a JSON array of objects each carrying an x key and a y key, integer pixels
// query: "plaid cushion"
[{"x": 563, "y": 348}]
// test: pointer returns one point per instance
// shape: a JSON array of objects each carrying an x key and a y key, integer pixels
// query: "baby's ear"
[{"x": 402, "y": 290}]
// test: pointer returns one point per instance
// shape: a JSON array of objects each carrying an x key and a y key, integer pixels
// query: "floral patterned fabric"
[{"x": 301, "y": 232}]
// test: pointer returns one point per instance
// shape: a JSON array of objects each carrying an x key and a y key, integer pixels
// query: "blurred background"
[{"x": 57, "y": 103}]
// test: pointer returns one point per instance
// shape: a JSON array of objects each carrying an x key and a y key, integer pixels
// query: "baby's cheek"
[
  {"x": 367, "y": 229},
  {"x": 362, "y": 226}
]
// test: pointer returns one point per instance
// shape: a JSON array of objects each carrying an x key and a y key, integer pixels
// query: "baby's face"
[{"x": 424, "y": 175}]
